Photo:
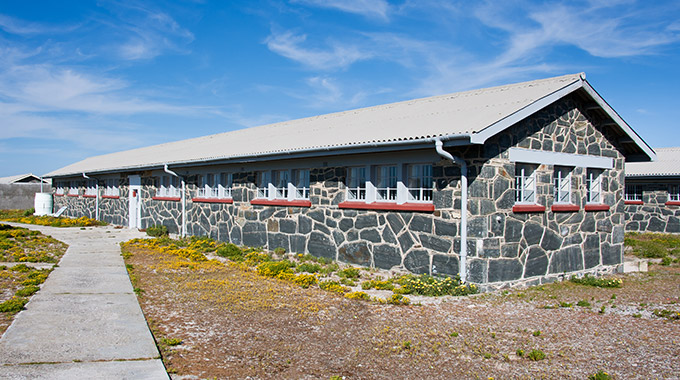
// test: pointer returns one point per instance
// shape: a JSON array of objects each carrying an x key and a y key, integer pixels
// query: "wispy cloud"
[
  {"x": 368, "y": 8},
  {"x": 336, "y": 56},
  {"x": 21, "y": 27}
]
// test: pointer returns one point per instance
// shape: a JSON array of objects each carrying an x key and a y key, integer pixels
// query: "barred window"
[
  {"x": 420, "y": 183},
  {"x": 674, "y": 193},
  {"x": 562, "y": 184},
  {"x": 525, "y": 183},
  {"x": 594, "y": 185},
  {"x": 633, "y": 193},
  {"x": 356, "y": 183}
]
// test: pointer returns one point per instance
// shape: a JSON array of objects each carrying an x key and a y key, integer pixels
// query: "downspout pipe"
[
  {"x": 184, "y": 198},
  {"x": 96, "y": 200},
  {"x": 439, "y": 146}
]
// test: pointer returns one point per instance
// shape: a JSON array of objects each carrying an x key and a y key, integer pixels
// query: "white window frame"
[
  {"x": 633, "y": 192},
  {"x": 674, "y": 192},
  {"x": 525, "y": 183},
  {"x": 91, "y": 188},
  {"x": 73, "y": 188},
  {"x": 357, "y": 179},
  {"x": 283, "y": 184},
  {"x": 386, "y": 184},
  {"x": 594, "y": 186},
  {"x": 214, "y": 185},
  {"x": 420, "y": 183},
  {"x": 111, "y": 187},
  {"x": 168, "y": 187},
  {"x": 562, "y": 184},
  {"x": 60, "y": 188}
]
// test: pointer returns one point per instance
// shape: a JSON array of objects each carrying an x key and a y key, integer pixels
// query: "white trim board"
[{"x": 561, "y": 159}]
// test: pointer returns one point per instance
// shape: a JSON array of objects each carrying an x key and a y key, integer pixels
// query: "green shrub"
[
  {"x": 536, "y": 333},
  {"x": 583, "y": 303},
  {"x": 536, "y": 355},
  {"x": 29, "y": 212},
  {"x": 21, "y": 268},
  {"x": 308, "y": 267},
  {"x": 305, "y": 280},
  {"x": 427, "y": 285},
  {"x": 13, "y": 305},
  {"x": 520, "y": 352},
  {"x": 350, "y": 272},
  {"x": 358, "y": 296},
  {"x": 597, "y": 282},
  {"x": 600, "y": 375},
  {"x": 157, "y": 230},
  {"x": 273, "y": 268},
  {"x": 27, "y": 291},
  {"x": 333, "y": 286},
  {"x": 231, "y": 251},
  {"x": 280, "y": 251},
  {"x": 171, "y": 341},
  {"x": 668, "y": 314},
  {"x": 666, "y": 261}
]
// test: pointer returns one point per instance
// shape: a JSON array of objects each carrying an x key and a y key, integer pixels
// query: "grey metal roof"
[
  {"x": 667, "y": 164},
  {"x": 471, "y": 115},
  {"x": 19, "y": 178}
]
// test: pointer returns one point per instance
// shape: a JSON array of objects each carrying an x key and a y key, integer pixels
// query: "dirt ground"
[{"x": 233, "y": 323}]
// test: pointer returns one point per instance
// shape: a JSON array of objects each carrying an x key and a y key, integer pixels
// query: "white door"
[{"x": 134, "y": 195}]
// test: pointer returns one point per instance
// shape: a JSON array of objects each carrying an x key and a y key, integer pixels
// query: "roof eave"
[{"x": 369, "y": 147}]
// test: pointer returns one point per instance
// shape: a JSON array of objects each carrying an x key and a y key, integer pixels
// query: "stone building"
[
  {"x": 536, "y": 167},
  {"x": 652, "y": 193}
]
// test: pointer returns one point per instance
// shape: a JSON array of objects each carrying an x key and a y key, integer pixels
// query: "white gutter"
[
  {"x": 439, "y": 146},
  {"x": 184, "y": 199},
  {"x": 96, "y": 202}
]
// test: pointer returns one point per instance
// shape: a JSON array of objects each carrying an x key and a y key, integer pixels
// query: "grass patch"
[
  {"x": 653, "y": 245},
  {"x": 597, "y": 281},
  {"x": 20, "y": 216}
]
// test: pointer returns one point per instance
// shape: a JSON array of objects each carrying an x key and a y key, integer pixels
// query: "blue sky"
[{"x": 81, "y": 78}]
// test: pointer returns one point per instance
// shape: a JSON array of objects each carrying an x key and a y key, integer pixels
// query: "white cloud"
[
  {"x": 336, "y": 56},
  {"x": 367, "y": 8},
  {"x": 21, "y": 27}
]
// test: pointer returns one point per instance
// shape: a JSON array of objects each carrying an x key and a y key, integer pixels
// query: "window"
[
  {"x": 420, "y": 183},
  {"x": 594, "y": 186},
  {"x": 301, "y": 184},
  {"x": 674, "y": 193},
  {"x": 91, "y": 188},
  {"x": 562, "y": 184},
  {"x": 356, "y": 183},
  {"x": 111, "y": 189},
  {"x": 633, "y": 193},
  {"x": 386, "y": 179},
  {"x": 263, "y": 181},
  {"x": 73, "y": 188},
  {"x": 525, "y": 183},
  {"x": 60, "y": 188},
  {"x": 281, "y": 180},
  {"x": 169, "y": 187},
  {"x": 214, "y": 185}
]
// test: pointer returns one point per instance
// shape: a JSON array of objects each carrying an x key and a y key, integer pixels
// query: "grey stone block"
[
  {"x": 355, "y": 253},
  {"x": 418, "y": 262},
  {"x": 386, "y": 256},
  {"x": 421, "y": 223},
  {"x": 477, "y": 271},
  {"x": 304, "y": 224},
  {"x": 366, "y": 221},
  {"x": 254, "y": 234},
  {"x": 537, "y": 263},
  {"x": 435, "y": 243},
  {"x": 443, "y": 228},
  {"x": 567, "y": 260},
  {"x": 504, "y": 270},
  {"x": 371, "y": 235},
  {"x": 551, "y": 241},
  {"x": 321, "y": 245},
  {"x": 445, "y": 265},
  {"x": 612, "y": 254},
  {"x": 532, "y": 233}
]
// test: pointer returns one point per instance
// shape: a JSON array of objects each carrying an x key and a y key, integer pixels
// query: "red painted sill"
[
  {"x": 387, "y": 206},
  {"x": 212, "y": 200},
  {"x": 597, "y": 207},
  {"x": 173, "y": 199},
  {"x": 89, "y": 196},
  {"x": 58, "y": 195},
  {"x": 282, "y": 202},
  {"x": 633, "y": 202},
  {"x": 110, "y": 196},
  {"x": 673, "y": 203},
  {"x": 528, "y": 208},
  {"x": 564, "y": 208},
  {"x": 73, "y": 195}
]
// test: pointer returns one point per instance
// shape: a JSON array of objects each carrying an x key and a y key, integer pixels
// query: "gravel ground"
[{"x": 235, "y": 324}]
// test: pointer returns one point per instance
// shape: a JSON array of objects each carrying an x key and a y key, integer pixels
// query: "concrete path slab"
[{"x": 85, "y": 321}]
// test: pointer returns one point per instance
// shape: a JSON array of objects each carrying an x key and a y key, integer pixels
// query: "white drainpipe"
[
  {"x": 184, "y": 200},
  {"x": 96, "y": 200},
  {"x": 439, "y": 145}
]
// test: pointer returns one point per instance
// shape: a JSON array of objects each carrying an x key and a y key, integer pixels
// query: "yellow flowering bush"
[
  {"x": 56, "y": 222},
  {"x": 427, "y": 285},
  {"x": 358, "y": 296},
  {"x": 305, "y": 280}
]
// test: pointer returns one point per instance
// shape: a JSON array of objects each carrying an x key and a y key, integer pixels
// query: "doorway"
[{"x": 135, "y": 212}]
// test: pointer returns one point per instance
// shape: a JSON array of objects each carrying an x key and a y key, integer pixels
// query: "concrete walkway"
[{"x": 85, "y": 322}]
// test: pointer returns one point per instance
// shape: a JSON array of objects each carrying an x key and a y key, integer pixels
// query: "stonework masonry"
[
  {"x": 654, "y": 214},
  {"x": 505, "y": 248}
]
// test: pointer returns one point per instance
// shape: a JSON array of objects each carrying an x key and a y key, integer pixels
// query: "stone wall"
[
  {"x": 504, "y": 247},
  {"x": 653, "y": 215}
]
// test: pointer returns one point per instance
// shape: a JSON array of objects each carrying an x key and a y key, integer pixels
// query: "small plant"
[
  {"x": 536, "y": 355},
  {"x": 454, "y": 334},
  {"x": 350, "y": 272},
  {"x": 583, "y": 303},
  {"x": 157, "y": 230},
  {"x": 565, "y": 304},
  {"x": 666, "y": 261},
  {"x": 171, "y": 342},
  {"x": 602, "y": 309},
  {"x": 600, "y": 375},
  {"x": 358, "y": 296},
  {"x": 434, "y": 286},
  {"x": 333, "y": 286},
  {"x": 27, "y": 291},
  {"x": 273, "y": 268},
  {"x": 613, "y": 297},
  {"x": 597, "y": 282},
  {"x": 348, "y": 282},
  {"x": 305, "y": 280},
  {"x": 520, "y": 352},
  {"x": 637, "y": 315},
  {"x": 280, "y": 251},
  {"x": 308, "y": 267},
  {"x": 13, "y": 305},
  {"x": 231, "y": 251},
  {"x": 487, "y": 355},
  {"x": 406, "y": 345},
  {"x": 668, "y": 314},
  {"x": 536, "y": 333},
  {"x": 21, "y": 268},
  {"x": 398, "y": 299},
  {"x": 138, "y": 291}
]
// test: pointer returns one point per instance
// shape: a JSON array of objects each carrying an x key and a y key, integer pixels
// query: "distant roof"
[
  {"x": 667, "y": 164},
  {"x": 22, "y": 178},
  {"x": 469, "y": 117}
]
